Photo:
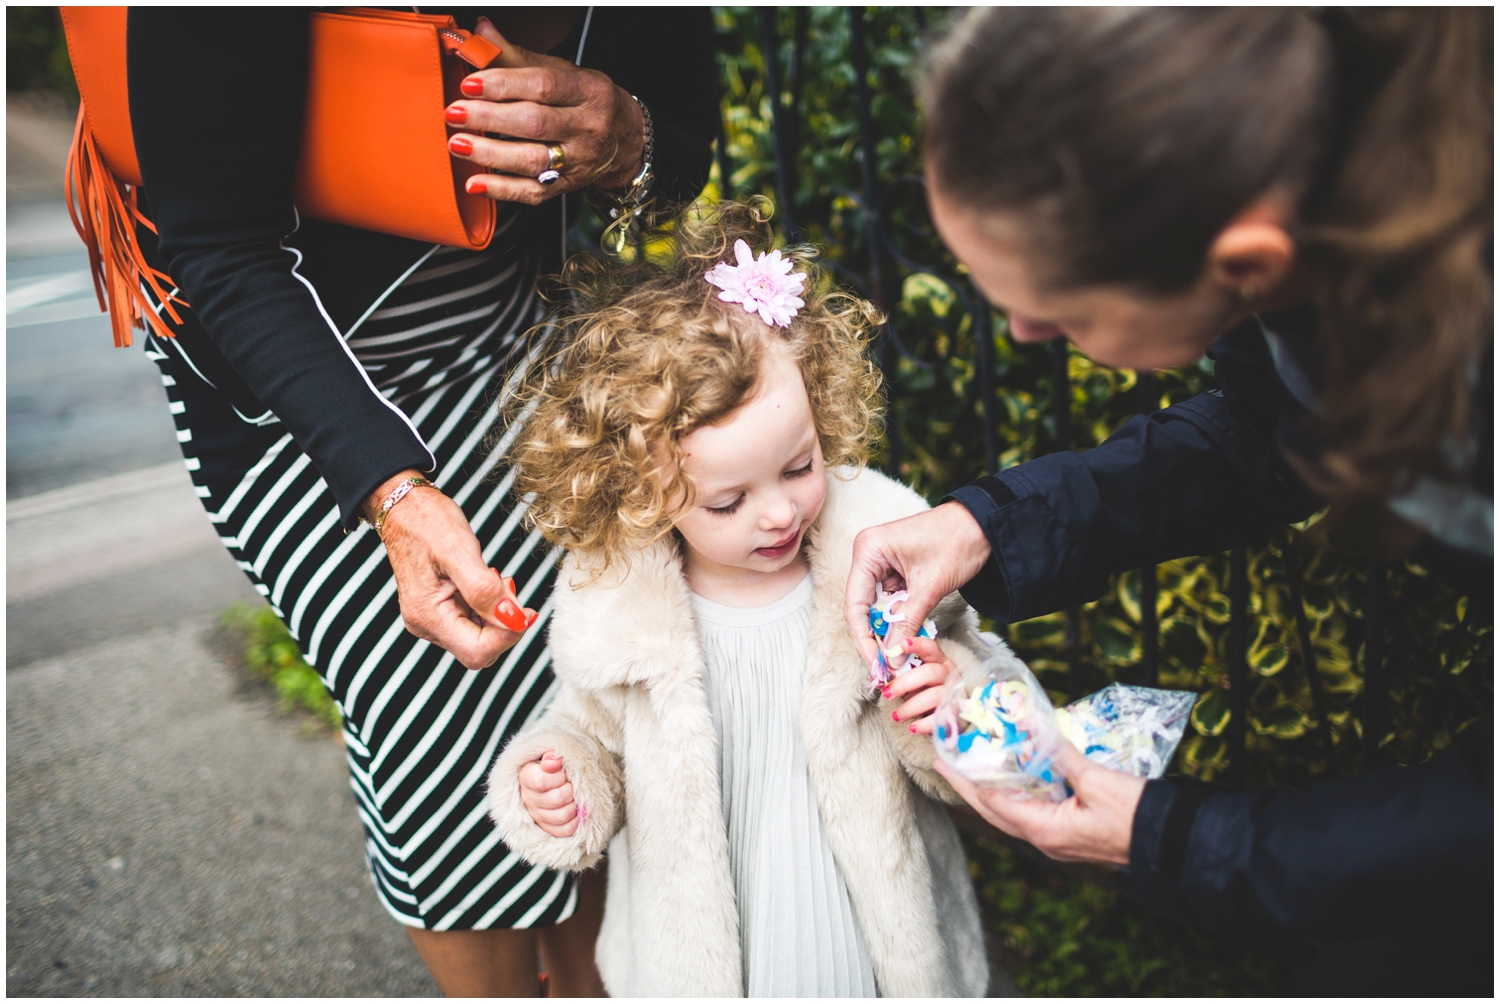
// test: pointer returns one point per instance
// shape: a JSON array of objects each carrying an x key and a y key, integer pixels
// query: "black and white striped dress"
[{"x": 420, "y": 729}]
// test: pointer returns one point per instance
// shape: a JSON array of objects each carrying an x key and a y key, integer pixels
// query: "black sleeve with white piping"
[{"x": 216, "y": 99}]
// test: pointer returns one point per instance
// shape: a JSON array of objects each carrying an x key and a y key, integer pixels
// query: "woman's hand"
[
  {"x": 448, "y": 594},
  {"x": 921, "y": 687},
  {"x": 534, "y": 100},
  {"x": 929, "y": 555},
  {"x": 1093, "y": 826},
  {"x": 548, "y": 796}
]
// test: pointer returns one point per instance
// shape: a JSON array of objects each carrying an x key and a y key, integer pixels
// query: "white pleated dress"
[{"x": 798, "y": 935}]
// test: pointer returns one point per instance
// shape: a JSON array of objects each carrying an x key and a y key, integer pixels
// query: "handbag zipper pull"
[{"x": 471, "y": 48}]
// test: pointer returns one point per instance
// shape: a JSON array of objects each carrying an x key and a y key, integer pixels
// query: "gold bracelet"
[{"x": 397, "y": 494}]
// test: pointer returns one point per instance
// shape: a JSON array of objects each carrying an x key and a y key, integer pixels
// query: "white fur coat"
[{"x": 633, "y": 727}]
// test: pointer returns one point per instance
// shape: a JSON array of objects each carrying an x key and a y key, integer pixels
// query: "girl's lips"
[{"x": 778, "y": 550}]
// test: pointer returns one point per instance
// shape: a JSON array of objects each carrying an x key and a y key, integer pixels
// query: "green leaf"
[
  {"x": 1211, "y": 714},
  {"x": 1182, "y": 643},
  {"x": 1048, "y": 630},
  {"x": 1269, "y": 660},
  {"x": 1317, "y": 603},
  {"x": 1117, "y": 641}
]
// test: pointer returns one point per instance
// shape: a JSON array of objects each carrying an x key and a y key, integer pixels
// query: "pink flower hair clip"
[{"x": 766, "y": 285}]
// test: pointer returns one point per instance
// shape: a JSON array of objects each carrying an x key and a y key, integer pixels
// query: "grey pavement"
[{"x": 168, "y": 830}]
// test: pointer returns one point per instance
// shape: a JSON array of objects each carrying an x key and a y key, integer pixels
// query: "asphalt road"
[{"x": 168, "y": 830}]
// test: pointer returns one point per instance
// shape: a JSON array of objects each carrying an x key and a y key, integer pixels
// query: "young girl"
[{"x": 772, "y": 822}]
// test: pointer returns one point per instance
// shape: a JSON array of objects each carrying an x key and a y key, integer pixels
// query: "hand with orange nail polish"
[
  {"x": 509, "y": 611},
  {"x": 538, "y": 102},
  {"x": 448, "y": 594}
]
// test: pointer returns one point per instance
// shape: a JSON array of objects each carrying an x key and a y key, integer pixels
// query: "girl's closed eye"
[
  {"x": 733, "y": 507},
  {"x": 804, "y": 469}
]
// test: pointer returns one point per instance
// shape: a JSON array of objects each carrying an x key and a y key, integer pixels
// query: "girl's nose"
[{"x": 781, "y": 514}]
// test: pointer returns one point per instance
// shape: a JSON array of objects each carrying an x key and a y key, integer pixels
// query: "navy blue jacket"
[{"x": 1362, "y": 855}]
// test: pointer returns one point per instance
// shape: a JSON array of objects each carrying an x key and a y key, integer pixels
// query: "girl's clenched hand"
[
  {"x": 548, "y": 796},
  {"x": 919, "y": 689}
]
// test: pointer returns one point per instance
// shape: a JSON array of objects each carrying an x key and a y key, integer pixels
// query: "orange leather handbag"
[{"x": 380, "y": 163}]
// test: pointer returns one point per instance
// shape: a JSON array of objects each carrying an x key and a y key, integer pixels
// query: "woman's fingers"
[
  {"x": 543, "y": 85},
  {"x": 526, "y": 96},
  {"x": 508, "y": 188},
  {"x": 872, "y": 567},
  {"x": 930, "y": 555},
  {"x": 1015, "y": 816},
  {"x": 521, "y": 119},
  {"x": 522, "y": 158},
  {"x": 1094, "y": 825},
  {"x": 476, "y": 646},
  {"x": 448, "y": 594}
]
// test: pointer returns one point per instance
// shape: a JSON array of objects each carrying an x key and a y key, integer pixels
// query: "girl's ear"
[{"x": 1254, "y": 254}]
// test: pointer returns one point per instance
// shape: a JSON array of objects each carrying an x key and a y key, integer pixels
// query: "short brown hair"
[
  {"x": 1126, "y": 140},
  {"x": 646, "y": 354}
]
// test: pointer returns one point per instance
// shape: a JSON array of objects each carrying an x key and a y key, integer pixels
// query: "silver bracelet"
[{"x": 631, "y": 200}]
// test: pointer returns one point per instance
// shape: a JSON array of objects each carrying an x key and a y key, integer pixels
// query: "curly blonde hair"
[{"x": 647, "y": 354}]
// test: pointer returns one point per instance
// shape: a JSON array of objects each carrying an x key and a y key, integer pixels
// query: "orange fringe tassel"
[{"x": 105, "y": 212}]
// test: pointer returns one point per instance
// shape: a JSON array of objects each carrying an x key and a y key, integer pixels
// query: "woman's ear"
[{"x": 1254, "y": 254}]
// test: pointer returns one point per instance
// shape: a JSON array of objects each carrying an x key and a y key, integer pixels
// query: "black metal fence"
[{"x": 884, "y": 260}]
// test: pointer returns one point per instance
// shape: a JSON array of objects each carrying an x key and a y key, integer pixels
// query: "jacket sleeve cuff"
[
  {"x": 354, "y": 480},
  {"x": 598, "y": 790},
  {"x": 1160, "y": 836},
  {"x": 1037, "y": 518},
  {"x": 985, "y": 498}
]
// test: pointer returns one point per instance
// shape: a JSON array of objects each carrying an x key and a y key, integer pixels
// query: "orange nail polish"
[
  {"x": 531, "y": 616},
  {"x": 461, "y": 146},
  {"x": 472, "y": 86},
  {"x": 456, "y": 114},
  {"x": 510, "y": 615},
  {"x": 509, "y": 584},
  {"x": 475, "y": 185}
]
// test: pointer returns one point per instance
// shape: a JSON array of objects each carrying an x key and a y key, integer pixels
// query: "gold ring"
[{"x": 555, "y": 158}]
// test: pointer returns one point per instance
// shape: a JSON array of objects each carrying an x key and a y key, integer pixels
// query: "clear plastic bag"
[
  {"x": 1132, "y": 729},
  {"x": 998, "y": 728}
]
